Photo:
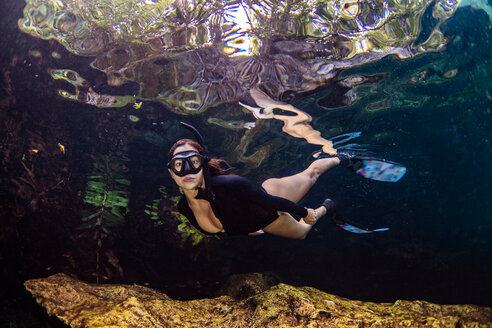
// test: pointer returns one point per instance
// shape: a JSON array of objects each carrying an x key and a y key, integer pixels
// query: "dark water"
[{"x": 440, "y": 243}]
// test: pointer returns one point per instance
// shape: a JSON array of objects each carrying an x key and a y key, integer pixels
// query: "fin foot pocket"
[{"x": 330, "y": 207}]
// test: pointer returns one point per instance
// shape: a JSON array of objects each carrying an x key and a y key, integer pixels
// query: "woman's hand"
[{"x": 312, "y": 216}]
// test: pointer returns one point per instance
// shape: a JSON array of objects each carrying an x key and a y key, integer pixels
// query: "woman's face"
[{"x": 189, "y": 181}]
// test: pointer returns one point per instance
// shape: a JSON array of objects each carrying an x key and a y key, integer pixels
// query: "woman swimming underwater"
[{"x": 215, "y": 201}]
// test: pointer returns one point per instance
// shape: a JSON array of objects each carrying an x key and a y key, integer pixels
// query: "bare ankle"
[
  {"x": 321, "y": 211},
  {"x": 320, "y": 166}
]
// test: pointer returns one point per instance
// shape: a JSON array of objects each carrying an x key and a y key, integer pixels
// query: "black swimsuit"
[{"x": 241, "y": 207}]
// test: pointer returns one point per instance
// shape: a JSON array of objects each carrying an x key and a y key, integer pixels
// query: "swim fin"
[
  {"x": 346, "y": 225},
  {"x": 369, "y": 167},
  {"x": 343, "y": 223}
]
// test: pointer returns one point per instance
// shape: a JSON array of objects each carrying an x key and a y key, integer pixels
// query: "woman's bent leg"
[
  {"x": 288, "y": 227},
  {"x": 296, "y": 186},
  {"x": 293, "y": 188}
]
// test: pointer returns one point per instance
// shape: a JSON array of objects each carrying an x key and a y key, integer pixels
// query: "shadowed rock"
[
  {"x": 242, "y": 286},
  {"x": 81, "y": 304}
]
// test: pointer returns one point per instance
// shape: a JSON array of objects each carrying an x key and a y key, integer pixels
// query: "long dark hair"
[{"x": 214, "y": 164}]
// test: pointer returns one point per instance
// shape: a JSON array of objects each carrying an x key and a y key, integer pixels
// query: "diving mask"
[{"x": 186, "y": 162}]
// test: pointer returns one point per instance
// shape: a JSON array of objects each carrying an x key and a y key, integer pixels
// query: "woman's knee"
[
  {"x": 302, "y": 236},
  {"x": 270, "y": 185}
]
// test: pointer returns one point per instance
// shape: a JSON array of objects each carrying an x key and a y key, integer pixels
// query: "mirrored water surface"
[{"x": 91, "y": 98}]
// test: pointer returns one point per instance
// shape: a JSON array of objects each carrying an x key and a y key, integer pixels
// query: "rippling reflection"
[{"x": 191, "y": 55}]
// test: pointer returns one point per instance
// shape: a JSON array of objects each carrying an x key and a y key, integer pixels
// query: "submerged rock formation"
[{"x": 81, "y": 304}]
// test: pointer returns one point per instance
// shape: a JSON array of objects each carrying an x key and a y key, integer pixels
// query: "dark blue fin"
[{"x": 343, "y": 138}]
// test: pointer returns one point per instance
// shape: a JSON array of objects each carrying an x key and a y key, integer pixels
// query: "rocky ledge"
[{"x": 81, "y": 304}]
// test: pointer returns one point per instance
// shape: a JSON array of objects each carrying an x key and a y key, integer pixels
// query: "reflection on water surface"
[{"x": 192, "y": 55}]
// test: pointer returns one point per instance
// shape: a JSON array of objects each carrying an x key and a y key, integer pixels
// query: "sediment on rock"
[{"x": 80, "y": 304}]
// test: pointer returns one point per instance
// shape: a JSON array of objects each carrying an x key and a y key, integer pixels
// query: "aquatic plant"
[
  {"x": 152, "y": 210},
  {"x": 108, "y": 195},
  {"x": 32, "y": 167},
  {"x": 188, "y": 231},
  {"x": 107, "y": 199}
]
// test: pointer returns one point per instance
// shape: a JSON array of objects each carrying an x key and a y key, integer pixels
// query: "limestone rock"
[
  {"x": 241, "y": 286},
  {"x": 89, "y": 305}
]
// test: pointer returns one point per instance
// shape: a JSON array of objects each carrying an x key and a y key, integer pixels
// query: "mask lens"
[
  {"x": 177, "y": 164},
  {"x": 195, "y": 161}
]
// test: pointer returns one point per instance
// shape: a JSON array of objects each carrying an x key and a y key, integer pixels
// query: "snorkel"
[{"x": 206, "y": 159}]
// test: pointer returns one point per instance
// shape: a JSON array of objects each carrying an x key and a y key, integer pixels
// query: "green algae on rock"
[{"x": 81, "y": 304}]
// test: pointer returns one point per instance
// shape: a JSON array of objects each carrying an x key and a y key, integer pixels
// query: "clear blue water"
[{"x": 416, "y": 111}]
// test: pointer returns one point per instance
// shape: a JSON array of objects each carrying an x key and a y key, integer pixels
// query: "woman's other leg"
[{"x": 296, "y": 186}]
